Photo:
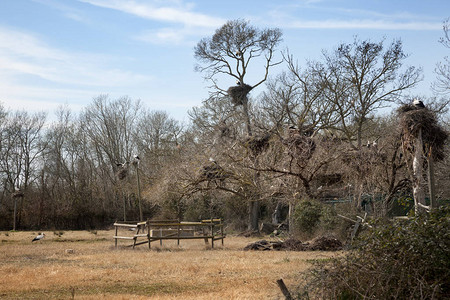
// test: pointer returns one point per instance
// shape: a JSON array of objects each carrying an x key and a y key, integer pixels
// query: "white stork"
[
  {"x": 39, "y": 237},
  {"x": 418, "y": 104}
]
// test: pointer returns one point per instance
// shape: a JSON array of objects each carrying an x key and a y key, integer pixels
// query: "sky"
[{"x": 57, "y": 53}]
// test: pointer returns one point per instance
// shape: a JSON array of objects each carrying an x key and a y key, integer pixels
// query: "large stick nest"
[
  {"x": 213, "y": 172},
  {"x": 362, "y": 160},
  {"x": 258, "y": 144},
  {"x": 122, "y": 173},
  {"x": 299, "y": 145},
  {"x": 18, "y": 194},
  {"x": 412, "y": 120},
  {"x": 239, "y": 93}
]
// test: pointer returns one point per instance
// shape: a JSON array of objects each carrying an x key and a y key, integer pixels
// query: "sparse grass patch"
[{"x": 96, "y": 270}]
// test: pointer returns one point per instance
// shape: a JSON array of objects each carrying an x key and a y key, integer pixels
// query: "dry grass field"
[{"x": 85, "y": 265}]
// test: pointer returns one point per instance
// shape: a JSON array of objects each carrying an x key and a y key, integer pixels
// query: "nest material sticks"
[
  {"x": 214, "y": 171},
  {"x": 257, "y": 145},
  {"x": 239, "y": 93},
  {"x": 122, "y": 173},
  {"x": 412, "y": 120},
  {"x": 300, "y": 145}
]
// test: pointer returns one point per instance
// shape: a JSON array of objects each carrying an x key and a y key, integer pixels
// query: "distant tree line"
[{"x": 315, "y": 132}]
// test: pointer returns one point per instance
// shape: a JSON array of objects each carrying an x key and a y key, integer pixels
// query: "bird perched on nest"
[
  {"x": 418, "y": 104},
  {"x": 39, "y": 237},
  {"x": 122, "y": 165},
  {"x": 136, "y": 160}
]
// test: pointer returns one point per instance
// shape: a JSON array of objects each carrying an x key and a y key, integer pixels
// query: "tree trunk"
[
  {"x": 247, "y": 117},
  {"x": 291, "y": 217},
  {"x": 254, "y": 215},
  {"x": 418, "y": 192},
  {"x": 433, "y": 202},
  {"x": 276, "y": 215}
]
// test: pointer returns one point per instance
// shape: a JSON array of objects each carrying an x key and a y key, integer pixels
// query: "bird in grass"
[
  {"x": 418, "y": 104},
  {"x": 39, "y": 237}
]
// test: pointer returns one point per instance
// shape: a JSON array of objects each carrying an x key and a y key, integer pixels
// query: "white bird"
[
  {"x": 238, "y": 82},
  {"x": 122, "y": 165},
  {"x": 136, "y": 160},
  {"x": 39, "y": 237},
  {"x": 418, "y": 104}
]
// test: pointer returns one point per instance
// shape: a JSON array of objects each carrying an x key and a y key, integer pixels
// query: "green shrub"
[
  {"x": 403, "y": 259},
  {"x": 307, "y": 215}
]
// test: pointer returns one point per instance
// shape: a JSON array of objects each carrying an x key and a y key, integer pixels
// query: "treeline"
[
  {"x": 315, "y": 134},
  {"x": 64, "y": 174}
]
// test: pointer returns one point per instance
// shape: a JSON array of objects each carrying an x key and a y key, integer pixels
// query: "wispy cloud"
[
  {"x": 170, "y": 35},
  {"x": 155, "y": 10},
  {"x": 363, "y": 24},
  {"x": 27, "y": 55},
  {"x": 321, "y": 16},
  {"x": 36, "y": 76},
  {"x": 68, "y": 11}
]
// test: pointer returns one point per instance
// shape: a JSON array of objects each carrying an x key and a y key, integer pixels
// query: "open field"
[{"x": 49, "y": 269}]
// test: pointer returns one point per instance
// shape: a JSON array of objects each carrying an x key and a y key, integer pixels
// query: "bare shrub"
[{"x": 402, "y": 259}]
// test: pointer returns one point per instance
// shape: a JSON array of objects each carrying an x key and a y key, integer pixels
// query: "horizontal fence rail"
[{"x": 151, "y": 231}]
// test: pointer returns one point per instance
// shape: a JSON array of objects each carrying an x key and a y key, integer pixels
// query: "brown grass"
[{"x": 94, "y": 270}]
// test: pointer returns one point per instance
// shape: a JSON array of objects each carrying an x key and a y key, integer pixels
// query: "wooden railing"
[{"x": 161, "y": 230}]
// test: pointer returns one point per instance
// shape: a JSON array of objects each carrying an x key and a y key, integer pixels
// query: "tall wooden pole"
[
  {"x": 15, "y": 212},
  {"x": 141, "y": 217}
]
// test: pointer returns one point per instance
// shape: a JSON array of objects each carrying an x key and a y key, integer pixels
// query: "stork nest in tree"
[
  {"x": 18, "y": 194},
  {"x": 214, "y": 171},
  {"x": 122, "y": 173},
  {"x": 362, "y": 160},
  {"x": 257, "y": 145},
  {"x": 239, "y": 93},
  {"x": 299, "y": 145},
  {"x": 412, "y": 120},
  {"x": 224, "y": 130}
]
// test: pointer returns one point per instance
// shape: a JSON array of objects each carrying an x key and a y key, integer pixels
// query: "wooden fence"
[{"x": 151, "y": 231}]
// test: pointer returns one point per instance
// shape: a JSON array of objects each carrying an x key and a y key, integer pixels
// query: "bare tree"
[
  {"x": 228, "y": 54},
  {"x": 361, "y": 78},
  {"x": 442, "y": 83},
  {"x": 109, "y": 127},
  {"x": 22, "y": 147}
]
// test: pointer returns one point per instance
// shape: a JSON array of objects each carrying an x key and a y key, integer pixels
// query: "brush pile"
[{"x": 323, "y": 243}]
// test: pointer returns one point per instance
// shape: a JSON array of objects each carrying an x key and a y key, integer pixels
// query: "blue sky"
[{"x": 57, "y": 52}]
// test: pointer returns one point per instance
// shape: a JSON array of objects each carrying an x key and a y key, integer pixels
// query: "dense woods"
[{"x": 324, "y": 132}]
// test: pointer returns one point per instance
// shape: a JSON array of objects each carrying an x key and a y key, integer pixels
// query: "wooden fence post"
[{"x": 284, "y": 289}]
